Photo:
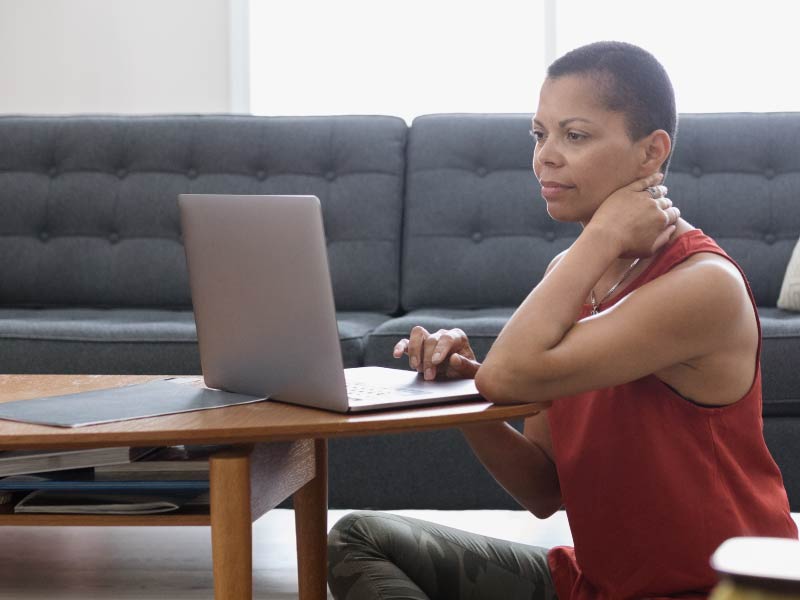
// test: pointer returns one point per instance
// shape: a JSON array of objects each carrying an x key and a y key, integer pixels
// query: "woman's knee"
[
  {"x": 353, "y": 528},
  {"x": 352, "y": 548},
  {"x": 351, "y": 535}
]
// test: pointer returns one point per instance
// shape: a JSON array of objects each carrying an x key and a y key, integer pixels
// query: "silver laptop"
[{"x": 264, "y": 308}]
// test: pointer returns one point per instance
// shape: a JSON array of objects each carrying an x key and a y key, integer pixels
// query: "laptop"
[{"x": 264, "y": 309}]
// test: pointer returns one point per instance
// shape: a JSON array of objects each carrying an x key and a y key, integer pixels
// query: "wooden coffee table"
[{"x": 279, "y": 450}]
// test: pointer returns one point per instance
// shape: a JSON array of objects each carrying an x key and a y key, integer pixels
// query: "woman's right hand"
[
  {"x": 641, "y": 224},
  {"x": 446, "y": 353}
]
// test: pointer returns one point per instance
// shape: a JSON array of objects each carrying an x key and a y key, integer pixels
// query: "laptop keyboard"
[{"x": 365, "y": 392}]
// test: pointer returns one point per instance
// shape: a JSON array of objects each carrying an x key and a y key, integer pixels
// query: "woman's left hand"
[{"x": 639, "y": 223}]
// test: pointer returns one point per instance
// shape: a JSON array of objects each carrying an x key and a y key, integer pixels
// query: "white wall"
[{"x": 114, "y": 56}]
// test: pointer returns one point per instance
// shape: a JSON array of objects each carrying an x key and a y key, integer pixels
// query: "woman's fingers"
[
  {"x": 415, "y": 346},
  {"x": 646, "y": 182},
  {"x": 420, "y": 348},
  {"x": 673, "y": 214},
  {"x": 438, "y": 353},
  {"x": 638, "y": 214},
  {"x": 428, "y": 368},
  {"x": 441, "y": 349},
  {"x": 663, "y": 237},
  {"x": 460, "y": 367},
  {"x": 447, "y": 342},
  {"x": 400, "y": 348},
  {"x": 438, "y": 347}
]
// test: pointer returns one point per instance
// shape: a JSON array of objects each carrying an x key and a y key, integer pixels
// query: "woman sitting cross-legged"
[{"x": 641, "y": 345}]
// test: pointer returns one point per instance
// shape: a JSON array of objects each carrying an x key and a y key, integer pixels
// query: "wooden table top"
[{"x": 248, "y": 423}]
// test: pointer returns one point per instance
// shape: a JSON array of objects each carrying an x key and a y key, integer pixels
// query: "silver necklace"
[{"x": 596, "y": 304}]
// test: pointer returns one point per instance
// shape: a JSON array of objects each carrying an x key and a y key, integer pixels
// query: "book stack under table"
[{"x": 107, "y": 481}]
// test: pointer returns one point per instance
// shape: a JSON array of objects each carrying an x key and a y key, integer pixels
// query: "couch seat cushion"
[
  {"x": 353, "y": 330},
  {"x": 481, "y": 326},
  {"x": 779, "y": 356},
  {"x": 98, "y": 340},
  {"x": 123, "y": 340},
  {"x": 98, "y": 325}
]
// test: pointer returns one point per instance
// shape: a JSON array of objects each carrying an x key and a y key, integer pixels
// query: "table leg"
[
  {"x": 311, "y": 523},
  {"x": 231, "y": 527}
]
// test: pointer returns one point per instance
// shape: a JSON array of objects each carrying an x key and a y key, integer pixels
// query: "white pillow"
[{"x": 789, "y": 298}]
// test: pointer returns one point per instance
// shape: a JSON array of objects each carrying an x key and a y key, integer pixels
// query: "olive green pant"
[{"x": 386, "y": 557}]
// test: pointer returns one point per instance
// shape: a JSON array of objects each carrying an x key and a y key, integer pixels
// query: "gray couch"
[{"x": 439, "y": 224}]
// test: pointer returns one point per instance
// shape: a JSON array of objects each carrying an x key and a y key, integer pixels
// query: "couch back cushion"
[
  {"x": 477, "y": 233},
  {"x": 88, "y": 205},
  {"x": 736, "y": 176}
]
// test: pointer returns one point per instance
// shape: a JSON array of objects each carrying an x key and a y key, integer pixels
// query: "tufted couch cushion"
[
  {"x": 127, "y": 340},
  {"x": 88, "y": 209},
  {"x": 736, "y": 177},
  {"x": 89, "y": 220},
  {"x": 476, "y": 230}
]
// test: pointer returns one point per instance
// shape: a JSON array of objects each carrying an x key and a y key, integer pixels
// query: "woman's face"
[{"x": 583, "y": 151}]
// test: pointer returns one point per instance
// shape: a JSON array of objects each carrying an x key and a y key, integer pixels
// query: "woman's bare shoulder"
[
  {"x": 725, "y": 373},
  {"x": 724, "y": 270}
]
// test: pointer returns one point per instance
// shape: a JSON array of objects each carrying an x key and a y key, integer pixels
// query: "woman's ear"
[{"x": 655, "y": 150}]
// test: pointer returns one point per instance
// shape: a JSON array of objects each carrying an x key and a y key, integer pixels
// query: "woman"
[{"x": 641, "y": 344}]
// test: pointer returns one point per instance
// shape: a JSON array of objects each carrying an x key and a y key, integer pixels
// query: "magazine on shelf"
[
  {"x": 162, "y": 479},
  {"x": 87, "y": 483},
  {"x": 127, "y": 503},
  {"x": 20, "y": 462},
  {"x": 77, "y": 491},
  {"x": 168, "y": 463}
]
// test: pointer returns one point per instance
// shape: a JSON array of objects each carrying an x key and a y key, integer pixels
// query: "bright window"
[
  {"x": 721, "y": 55},
  {"x": 316, "y": 57}
]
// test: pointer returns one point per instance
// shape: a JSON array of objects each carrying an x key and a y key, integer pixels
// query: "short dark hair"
[{"x": 631, "y": 81}]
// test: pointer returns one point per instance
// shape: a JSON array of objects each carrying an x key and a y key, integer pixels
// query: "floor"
[{"x": 174, "y": 563}]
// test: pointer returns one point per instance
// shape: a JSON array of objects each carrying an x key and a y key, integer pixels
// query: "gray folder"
[{"x": 154, "y": 398}]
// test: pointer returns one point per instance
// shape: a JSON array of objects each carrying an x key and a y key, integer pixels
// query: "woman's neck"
[{"x": 618, "y": 268}]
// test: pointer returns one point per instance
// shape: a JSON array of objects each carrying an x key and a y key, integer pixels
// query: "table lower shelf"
[{"x": 199, "y": 516}]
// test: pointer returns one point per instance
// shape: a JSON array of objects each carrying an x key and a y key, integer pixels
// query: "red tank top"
[{"x": 653, "y": 483}]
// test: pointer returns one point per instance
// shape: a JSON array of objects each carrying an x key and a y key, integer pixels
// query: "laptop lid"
[{"x": 262, "y": 296}]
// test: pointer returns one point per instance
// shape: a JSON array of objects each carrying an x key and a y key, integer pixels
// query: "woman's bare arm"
[
  {"x": 543, "y": 353},
  {"x": 521, "y": 463}
]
